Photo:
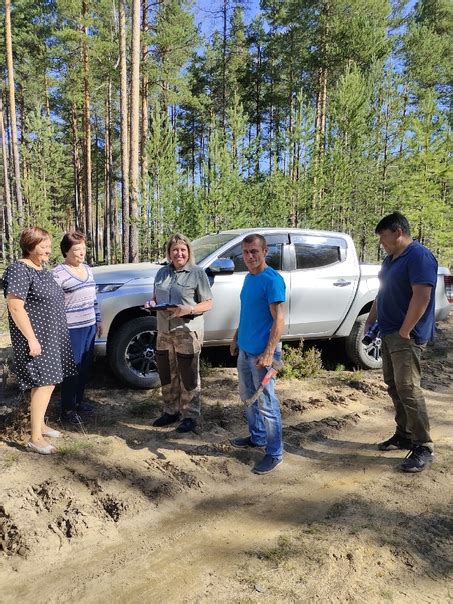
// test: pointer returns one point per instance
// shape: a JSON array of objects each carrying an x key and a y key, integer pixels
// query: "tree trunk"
[
  {"x": 321, "y": 110},
  {"x": 134, "y": 121},
  {"x": 96, "y": 193},
  {"x": 321, "y": 107},
  {"x": 79, "y": 218},
  {"x": 117, "y": 251},
  {"x": 87, "y": 137},
  {"x": 271, "y": 126},
  {"x": 144, "y": 135},
  {"x": 192, "y": 154},
  {"x": 108, "y": 169},
  {"x": 12, "y": 107},
  {"x": 124, "y": 131},
  {"x": 258, "y": 108},
  {"x": 46, "y": 84},
  {"x": 8, "y": 215},
  {"x": 224, "y": 61},
  {"x": 320, "y": 135}
]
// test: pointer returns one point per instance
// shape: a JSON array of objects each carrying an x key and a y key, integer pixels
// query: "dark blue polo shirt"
[{"x": 415, "y": 266}]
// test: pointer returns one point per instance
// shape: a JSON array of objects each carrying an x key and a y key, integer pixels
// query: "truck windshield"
[{"x": 207, "y": 245}]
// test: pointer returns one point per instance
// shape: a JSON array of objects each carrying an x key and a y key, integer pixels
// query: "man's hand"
[
  {"x": 372, "y": 316},
  {"x": 234, "y": 349},
  {"x": 265, "y": 359},
  {"x": 421, "y": 295}
]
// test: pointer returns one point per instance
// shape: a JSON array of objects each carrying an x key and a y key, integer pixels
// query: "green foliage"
[
  {"x": 234, "y": 135},
  {"x": 299, "y": 363},
  {"x": 47, "y": 184},
  {"x": 205, "y": 368}
]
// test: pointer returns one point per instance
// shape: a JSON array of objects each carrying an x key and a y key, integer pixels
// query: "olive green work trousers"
[{"x": 402, "y": 375}]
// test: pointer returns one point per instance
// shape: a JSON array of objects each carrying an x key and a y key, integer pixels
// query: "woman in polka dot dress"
[{"x": 39, "y": 333}]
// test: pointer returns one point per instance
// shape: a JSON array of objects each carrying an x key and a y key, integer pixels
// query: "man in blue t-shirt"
[
  {"x": 257, "y": 340},
  {"x": 404, "y": 309}
]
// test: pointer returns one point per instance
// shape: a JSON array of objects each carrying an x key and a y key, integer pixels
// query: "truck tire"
[
  {"x": 131, "y": 353},
  {"x": 366, "y": 357}
]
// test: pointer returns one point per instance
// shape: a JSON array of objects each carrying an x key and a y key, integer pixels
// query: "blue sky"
[{"x": 208, "y": 14}]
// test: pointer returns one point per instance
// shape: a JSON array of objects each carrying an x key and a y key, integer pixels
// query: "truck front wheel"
[
  {"x": 132, "y": 354},
  {"x": 366, "y": 357}
]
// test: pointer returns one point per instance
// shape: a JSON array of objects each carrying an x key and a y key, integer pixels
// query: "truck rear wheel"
[
  {"x": 366, "y": 357},
  {"x": 132, "y": 354}
]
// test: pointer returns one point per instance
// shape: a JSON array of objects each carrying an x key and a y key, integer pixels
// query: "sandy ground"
[{"x": 131, "y": 513}]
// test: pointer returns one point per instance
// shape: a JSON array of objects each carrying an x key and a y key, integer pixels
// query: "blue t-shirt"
[
  {"x": 415, "y": 266},
  {"x": 255, "y": 322}
]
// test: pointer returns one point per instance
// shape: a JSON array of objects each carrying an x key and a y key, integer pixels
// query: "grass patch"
[
  {"x": 358, "y": 375},
  {"x": 300, "y": 363},
  {"x": 82, "y": 447},
  {"x": 346, "y": 375},
  {"x": 141, "y": 409},
  {"x": 284, "y": 550},
  {"x": 10, "y": 459},
  {"x": 205, "y": 367}
]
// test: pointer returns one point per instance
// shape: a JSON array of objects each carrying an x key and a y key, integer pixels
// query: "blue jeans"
[
  {"x": 73, "y": 387},
  {"x": 263, "y": 416}
]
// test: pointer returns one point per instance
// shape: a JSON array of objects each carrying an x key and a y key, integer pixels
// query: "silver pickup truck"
[{"x": 329, "y": 296}]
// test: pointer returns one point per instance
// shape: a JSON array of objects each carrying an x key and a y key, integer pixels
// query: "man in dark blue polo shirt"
[{"x": 404, "y": 310}]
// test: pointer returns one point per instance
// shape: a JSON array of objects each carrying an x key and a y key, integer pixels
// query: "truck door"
[
  {"x": 222, "y": 321},
  {"x": 323, "y": 284}
]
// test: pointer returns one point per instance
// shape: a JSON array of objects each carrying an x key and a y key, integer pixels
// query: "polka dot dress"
[{"x": 44, "y": 304}]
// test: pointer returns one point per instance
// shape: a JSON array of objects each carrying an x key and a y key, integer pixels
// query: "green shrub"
[
  {"x": 205, "y": 367},
  {"x": 299, "y": 363}
]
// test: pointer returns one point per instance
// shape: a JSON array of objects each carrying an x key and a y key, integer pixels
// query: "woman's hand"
[
  {"x": 182, "y": 310},
  {"x": 35, "y": 347},
  {"x": 16, "y": 307},
  {"x": 99, "y": 329},
  {"x": 149, "y": 304}
]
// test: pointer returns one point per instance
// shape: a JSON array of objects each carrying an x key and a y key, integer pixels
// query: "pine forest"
[{"x": 134, "y": 119}]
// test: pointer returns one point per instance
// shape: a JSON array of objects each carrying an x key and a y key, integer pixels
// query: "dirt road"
[{"x": 131, "y": 513}]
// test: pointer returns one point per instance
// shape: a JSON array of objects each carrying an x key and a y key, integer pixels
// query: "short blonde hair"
[{"x": 179, "y": 238}]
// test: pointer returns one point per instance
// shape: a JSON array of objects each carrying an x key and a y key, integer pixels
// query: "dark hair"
[
  {"x": 178, "y": 238},
  {"x": 253, "y": 236},
  {"x": 70, "y": 239},
  {"x": 392, "y": 222},
  {"x": 30, "y": 238}
]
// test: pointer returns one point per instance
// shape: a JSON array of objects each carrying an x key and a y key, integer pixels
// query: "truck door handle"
[{"x": 342, "y": 283}]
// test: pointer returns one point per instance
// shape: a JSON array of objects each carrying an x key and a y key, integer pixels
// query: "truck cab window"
[
  {"x": 273, "y": 259},
  {"x": 315, "y": 256}
]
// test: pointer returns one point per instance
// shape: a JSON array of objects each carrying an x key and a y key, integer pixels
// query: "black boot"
[
  {"x": 166, "y": 419},
  {"x": 187, "y": 425}
]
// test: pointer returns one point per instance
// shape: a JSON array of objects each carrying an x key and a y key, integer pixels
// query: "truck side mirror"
[{"x": 221, "y": 266}]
